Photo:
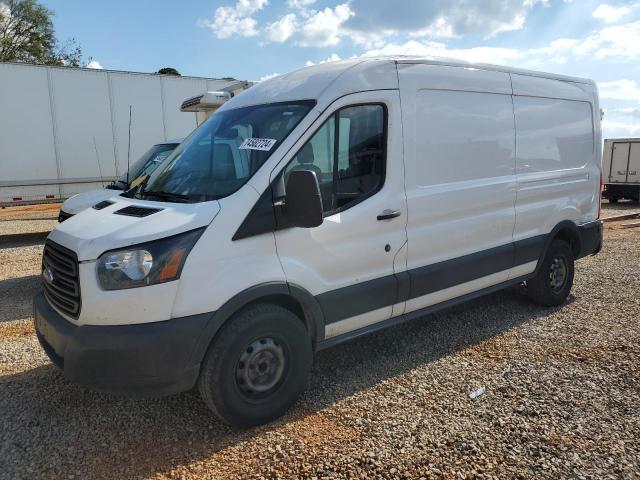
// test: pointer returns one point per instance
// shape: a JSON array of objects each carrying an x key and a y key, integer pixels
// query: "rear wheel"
[
  {"x": 257, "y": 367},
  {"x": 552, "y": 284}
]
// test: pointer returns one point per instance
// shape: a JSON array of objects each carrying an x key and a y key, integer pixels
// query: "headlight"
[{"x": 146, "y": 264}]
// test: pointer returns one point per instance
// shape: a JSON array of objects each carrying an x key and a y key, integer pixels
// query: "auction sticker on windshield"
[{"x": 263, "y": 144}]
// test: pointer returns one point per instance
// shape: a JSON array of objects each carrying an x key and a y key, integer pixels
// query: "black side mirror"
[{"x": 303, "y": 202}]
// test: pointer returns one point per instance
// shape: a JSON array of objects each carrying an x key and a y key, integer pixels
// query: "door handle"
[{"x": 388, "y": 214}]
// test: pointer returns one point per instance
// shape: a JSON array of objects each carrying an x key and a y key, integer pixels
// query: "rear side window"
[{"x": 348, "y": 156}]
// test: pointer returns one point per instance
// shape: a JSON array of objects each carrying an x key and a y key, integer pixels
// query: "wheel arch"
[
  {"x": 290, "y": 296},
  {"x": 566, "y": 231}
]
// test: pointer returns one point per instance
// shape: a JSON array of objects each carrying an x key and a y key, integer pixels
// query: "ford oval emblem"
[{"x": 47, "y": 274}]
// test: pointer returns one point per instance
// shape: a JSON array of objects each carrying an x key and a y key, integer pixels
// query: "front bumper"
[{"x": 151, "y": 359}]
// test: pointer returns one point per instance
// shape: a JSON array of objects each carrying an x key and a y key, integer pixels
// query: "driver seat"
[{"x": 305, "y": 160}]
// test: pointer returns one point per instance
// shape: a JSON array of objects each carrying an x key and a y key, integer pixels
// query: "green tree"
[
  {"x": 168, "y": 71},
  {"x": 27, "y": 35}
]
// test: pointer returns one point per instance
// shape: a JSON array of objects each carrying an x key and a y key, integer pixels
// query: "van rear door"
[
  {"x": 633, "y": 172},
  {"x": 620, "y": 155}
]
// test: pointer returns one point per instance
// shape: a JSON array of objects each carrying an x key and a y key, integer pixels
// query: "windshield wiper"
[{"x": 176, "y": 197}]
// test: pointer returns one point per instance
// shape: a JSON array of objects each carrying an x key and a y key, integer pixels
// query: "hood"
[
  {"x": 82, "y": 201},
  {"x": 93, "y": 232}
]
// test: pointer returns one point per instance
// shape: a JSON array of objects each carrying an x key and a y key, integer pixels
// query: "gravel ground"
[
  {"x": 562, "y": 395},
  {"x": 15, "y": 222}
]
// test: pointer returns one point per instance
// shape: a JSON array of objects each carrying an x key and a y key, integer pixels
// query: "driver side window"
[{"x": 347, "y": 154}]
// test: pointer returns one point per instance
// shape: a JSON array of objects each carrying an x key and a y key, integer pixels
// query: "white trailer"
[
  {"x": 66, "y": 130},
  {"x": 621, "y": 169}
]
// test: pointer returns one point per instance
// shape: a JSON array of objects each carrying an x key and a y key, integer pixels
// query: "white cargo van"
[{"x": 369, "y": 192}]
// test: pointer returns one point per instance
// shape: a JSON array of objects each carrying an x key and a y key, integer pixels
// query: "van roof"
[
  {"x": 487, "y": 66},
  {"x": 369, "y": 73}
]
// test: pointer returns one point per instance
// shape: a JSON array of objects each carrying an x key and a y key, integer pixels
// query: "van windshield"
[
  {"x": 224, "y": 152},
  {"x": 148, "y": 162}
]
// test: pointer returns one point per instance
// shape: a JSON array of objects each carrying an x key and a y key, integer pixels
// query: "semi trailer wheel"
[{"x": 257, "y": 366}]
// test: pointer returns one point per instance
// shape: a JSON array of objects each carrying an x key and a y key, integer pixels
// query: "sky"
[{"x": 256, "y": 39}]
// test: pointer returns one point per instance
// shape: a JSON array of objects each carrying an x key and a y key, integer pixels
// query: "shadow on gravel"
[
  {"x": 23, "y": 239},
  {"x": 16, "y": 297},
  {"x": 52, "y": 428}
]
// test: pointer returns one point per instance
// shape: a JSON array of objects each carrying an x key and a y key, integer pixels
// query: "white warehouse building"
[{"x": 66, "y": 130}]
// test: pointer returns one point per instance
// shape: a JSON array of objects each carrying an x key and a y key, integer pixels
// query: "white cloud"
[
  {"x": 615, "y": 41},
  {"x": 267, "y": 77},
  {"x": 281, "y": 30},
  {"x": 300, "y": 4},
  {"x": 621, "y": 127},
  {"x": 94, "y": 64},
  {"x": 332, "y": 58},
  {"x": 440, "y": 28},
  {"x": 624, "y": 89},
  {"x": 633, "y": 112},
  {"x": 248, "y": 7},
  {"x": 610, "y": 14},
  {"x": 619, "y": 42},
  {"x": 235, "y": 21},
  {"x": 440, "y": 18},
  {"x": 436, "y": 49},
  {"x": 324, "y": 28}
]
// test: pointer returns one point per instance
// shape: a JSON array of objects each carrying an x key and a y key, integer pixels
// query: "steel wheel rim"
[
  {"x": 558, "y": 274},
  {"x": 261, "y": 367}
]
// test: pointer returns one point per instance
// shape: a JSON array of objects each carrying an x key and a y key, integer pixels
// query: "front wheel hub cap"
[{"x": 261, "y": 366}]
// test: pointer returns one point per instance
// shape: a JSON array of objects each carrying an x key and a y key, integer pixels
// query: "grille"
[
  {"x": 190, "y": 102},
  {"x": 101, "y": 205},
  {"x": 133, "y": 211},
  {"x": 60, "y": 278}
]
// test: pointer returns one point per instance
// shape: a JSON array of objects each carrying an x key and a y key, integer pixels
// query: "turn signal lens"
[{"x": 171, "y": 267}]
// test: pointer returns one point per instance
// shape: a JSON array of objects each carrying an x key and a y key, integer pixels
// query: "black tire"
[
  {"x": 546, "y": 288},
  {"x": 232, "y": 382},
  {"x": 613, "y": 200}
]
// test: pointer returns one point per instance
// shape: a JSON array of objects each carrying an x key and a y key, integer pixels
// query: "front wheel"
[
  {"x": 257, "y": 367},
  {"x": 552, "y": 284}
]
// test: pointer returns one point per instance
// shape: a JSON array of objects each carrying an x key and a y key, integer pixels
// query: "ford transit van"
[{"x": 316, "y": 207}]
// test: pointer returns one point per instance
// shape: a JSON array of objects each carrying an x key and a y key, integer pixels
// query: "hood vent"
[
  {"x": 135, "y": 211},
  {"x": 103, "y": 204}
]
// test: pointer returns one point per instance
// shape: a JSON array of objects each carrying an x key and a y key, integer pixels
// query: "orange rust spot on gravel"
[
  {"x": 27, "y": 211},
  {"x": 16, "y": 330},
  {"x": 500, "y": 348},
  {"x": 317, "y": 435},
  {"x": 589, "y": 355},
  {"x": 616, "y": 230},
  {"x": 317, "y": 429}
]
